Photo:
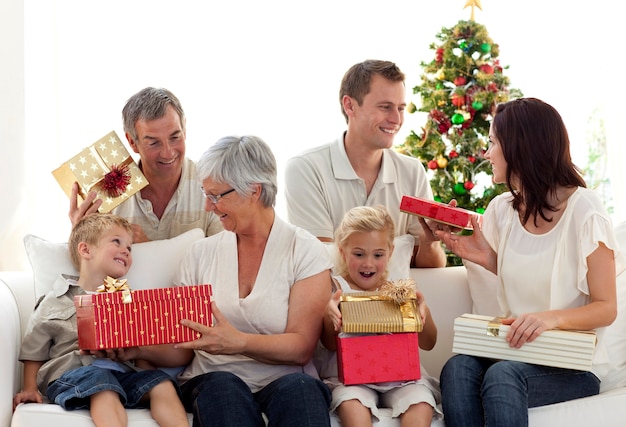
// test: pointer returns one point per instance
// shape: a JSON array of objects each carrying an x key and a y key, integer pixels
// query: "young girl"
[{"x": 365, "y": 242}]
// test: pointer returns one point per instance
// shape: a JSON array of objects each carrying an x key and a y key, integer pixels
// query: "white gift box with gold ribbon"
[{"x": 485, "y": 336}]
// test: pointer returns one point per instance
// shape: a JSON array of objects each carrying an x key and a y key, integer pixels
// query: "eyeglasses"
[{"x": 215, "y": 199}]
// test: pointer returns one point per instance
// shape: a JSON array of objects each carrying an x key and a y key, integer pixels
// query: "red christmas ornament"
[
  {"x": 453, "y": 154},
  {"x": 458, "y": 100},
  {"x": 486, "y": 68},
  {"x": 439, "y": 55},
  {"x": 468, "y": 185},
  {"x": 460, "y": 81},
  {"x": 116, "y": 181},
  {"x": 471, "y": 159},
  {"x": 433, "y": 164}
]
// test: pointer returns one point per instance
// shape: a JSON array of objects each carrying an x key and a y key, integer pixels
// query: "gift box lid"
[
  {"x": 380, "y": 312},
  {"x": 440, "y": 212}
]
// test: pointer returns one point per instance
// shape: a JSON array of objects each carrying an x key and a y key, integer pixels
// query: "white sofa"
[{"x": 447, "y": 294}]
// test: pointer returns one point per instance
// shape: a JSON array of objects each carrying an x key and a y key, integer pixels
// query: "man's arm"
[
  {"x": 87, "y": 207},
  {"x": 429, "y": 252}
]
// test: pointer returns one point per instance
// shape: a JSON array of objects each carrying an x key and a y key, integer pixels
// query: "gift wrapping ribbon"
[
  {"x": 104, "y": 167},
  {"x": 116, "y": 285}
]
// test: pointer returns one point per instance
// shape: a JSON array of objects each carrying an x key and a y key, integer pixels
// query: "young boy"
[{"x": 100, "y": 246}]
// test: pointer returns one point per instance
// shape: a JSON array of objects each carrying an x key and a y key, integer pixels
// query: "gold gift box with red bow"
[{"x": 105, "y": 167}]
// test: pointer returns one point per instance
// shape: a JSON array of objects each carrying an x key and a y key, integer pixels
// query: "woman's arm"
[
  {"x": 307, "y": 301},
  {"x": 601, "y": 311}
]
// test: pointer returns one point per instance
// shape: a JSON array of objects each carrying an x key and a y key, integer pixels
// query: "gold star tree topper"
[{"x": 473, "y": 4}]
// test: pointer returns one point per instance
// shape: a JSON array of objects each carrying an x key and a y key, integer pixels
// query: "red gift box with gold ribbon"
[{"x": 129, "y": 318}]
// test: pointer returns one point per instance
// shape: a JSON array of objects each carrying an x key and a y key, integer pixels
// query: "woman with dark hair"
[{"x": 550, "y": 241}]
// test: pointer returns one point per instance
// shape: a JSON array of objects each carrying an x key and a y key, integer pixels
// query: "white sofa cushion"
[{"x": 154, "y": 263}]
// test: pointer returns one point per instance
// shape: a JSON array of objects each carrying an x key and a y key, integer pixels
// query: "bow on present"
[
  {"x": 116, "y": 285},
  {"x": 116, "y": 177}
]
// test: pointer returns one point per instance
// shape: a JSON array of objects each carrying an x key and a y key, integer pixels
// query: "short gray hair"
[
  {"x": 149, "y": 104},
  {"x": 241, "y": 162}
]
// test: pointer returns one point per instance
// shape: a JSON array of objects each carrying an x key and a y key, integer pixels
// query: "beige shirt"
[
  {"x": 185, "y": 210},
  {"x": 51, "y": 335}
]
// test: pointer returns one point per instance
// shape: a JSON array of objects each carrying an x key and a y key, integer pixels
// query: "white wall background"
[{"x": 268, "y": 68}]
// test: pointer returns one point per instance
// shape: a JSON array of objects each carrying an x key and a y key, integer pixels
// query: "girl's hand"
[{"x": 332, "y": 310}]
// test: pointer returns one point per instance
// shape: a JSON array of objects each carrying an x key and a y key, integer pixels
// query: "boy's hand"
[{"x": 27, "y": 396}]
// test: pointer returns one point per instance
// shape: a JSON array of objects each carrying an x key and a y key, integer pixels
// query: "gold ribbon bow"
[{"x": 116, "y": 285}]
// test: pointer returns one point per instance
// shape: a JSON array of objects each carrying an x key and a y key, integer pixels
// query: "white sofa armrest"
[{"x": 11, "y": 338}]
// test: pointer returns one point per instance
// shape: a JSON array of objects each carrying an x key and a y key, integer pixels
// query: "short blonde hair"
[
  {"x": 362, "y": 219},
  {"x": 90, "y": 230}
]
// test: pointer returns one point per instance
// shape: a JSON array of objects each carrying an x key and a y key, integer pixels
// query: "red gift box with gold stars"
[
  {"x": 378, "y": 358},
  {"x": 440, "y": 212},
  {"x": 130, "y": 318}
]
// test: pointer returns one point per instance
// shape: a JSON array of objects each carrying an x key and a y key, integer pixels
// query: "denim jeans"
[
  {"x": 73, "y": 390},
  {"x": 480, "y": 392},
  {"x": 223, "y": 399}
]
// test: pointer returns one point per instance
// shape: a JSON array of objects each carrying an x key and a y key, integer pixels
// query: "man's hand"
[{"x": 87, "y": 207}]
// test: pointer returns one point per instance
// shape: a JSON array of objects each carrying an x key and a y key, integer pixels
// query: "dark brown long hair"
[{"x": 536, "y": 147}]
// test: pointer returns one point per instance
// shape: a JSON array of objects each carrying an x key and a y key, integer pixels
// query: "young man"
[
  {"x": 361, "y": 168},
  {"x": 172, "y": 203}
]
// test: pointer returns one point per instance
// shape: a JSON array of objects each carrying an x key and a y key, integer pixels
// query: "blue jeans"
[
  {"x": 223, "y": 399},
  {"x": 484, "y": 392},
  {"x": 73, "y": 390}
]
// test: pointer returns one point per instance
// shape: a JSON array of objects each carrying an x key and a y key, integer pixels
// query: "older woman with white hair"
[{"x": 271, "y": 282}]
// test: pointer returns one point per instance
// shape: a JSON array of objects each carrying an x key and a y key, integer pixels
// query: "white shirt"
[
  {"x": 321, "y": 186},
  {"x": 291, "y": 254},
  {"x": 549, "y": 271}
]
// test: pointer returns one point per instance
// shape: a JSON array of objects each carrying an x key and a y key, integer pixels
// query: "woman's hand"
[
  {"x": 527, "y": 327},
  {"x": 221, "y": 338},
  {"x": 473, "y": 248}
]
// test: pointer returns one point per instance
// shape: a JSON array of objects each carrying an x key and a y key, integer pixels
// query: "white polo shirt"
[{"x": 321, "y": 185}]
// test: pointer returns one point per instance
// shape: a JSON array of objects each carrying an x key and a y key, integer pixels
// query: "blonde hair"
[
  {"x": 90, "y": 230},
  {"x": 362, "y": 219}
]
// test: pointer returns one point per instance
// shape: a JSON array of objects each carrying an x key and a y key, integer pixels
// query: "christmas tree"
[{"x": 459, "y": 90}]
